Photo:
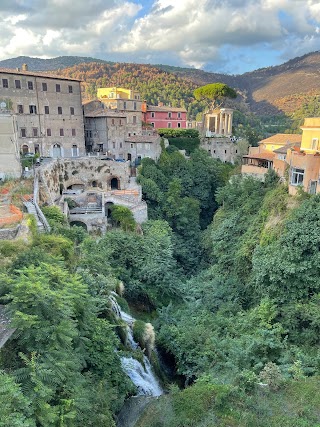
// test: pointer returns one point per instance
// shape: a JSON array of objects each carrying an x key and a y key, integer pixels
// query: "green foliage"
[
  {"x": 188, "y": 144},
  {"x": 15, "y": 408},
  {"x": 214, "y": 93},
  {"x": 54, "y": 215},
  {"x": 123, "y": 217},
  {"x": 178, "y": 133},
  {"x": 271, "y": 376}
]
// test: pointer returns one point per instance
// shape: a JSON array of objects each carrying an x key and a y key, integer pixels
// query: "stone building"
[
  {"x": 86, "y": 189},
  {"x": 113, "y": 127},
  {"x": 218, "y": 122},
  {"x": 48, "y": 112},
  {"x": 163, "y": 116},
  {"x": 216, "y": 136},
  {"x": 10, "y": 166}
]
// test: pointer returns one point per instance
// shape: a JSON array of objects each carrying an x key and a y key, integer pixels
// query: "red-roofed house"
[{"x": 162, "y": 116}]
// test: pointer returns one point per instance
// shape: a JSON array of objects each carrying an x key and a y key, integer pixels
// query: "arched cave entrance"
[
  {"x": 94, "y": 184},
  {"x": 79, "y": 224},
  {"x": 107, "y": 208},
  {"x": 115, "y": 183},
  {"x": 76, "y": 187}
]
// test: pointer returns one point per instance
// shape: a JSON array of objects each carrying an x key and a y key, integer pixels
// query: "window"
[
  {"x": 179, "y": 125},
  {"x": 152, "y": 124},
  {"x": 73, "y": 132},
  {"x": 20, "y": 109},
  {"x": 48, "y": 132},
  {"x": 70, "y": 88},
  {"x": 134, "y": 105},
  {"x": 120, "y": 123},
  {"x": 61, "y": 132},
  {"x": 74, "y": 151},
  {"x": 120, "y": 144},
  {"x": 32, "y": 109},
  {"x": 72, "y": 111},
  {"x": 17, "y": 84},
  {"x": 23, "y": 132},
  {"x": 58, "y": 88},
  {"x": 169, "y": 115},
  {"x": 5, "y": 83},
  {"x": 134, "y": 120},
  {"x": 114, "y": 145},
  {"x": 297, "y": 176},
  {"x": 44, "y": 87},
  {"x": 30, "y": 85},
  {"x": 152, "y": 115},
  {"x": 131, "y": 145},
  {"x": 112, "y": 122},
  {"x": 124, "y": 105},
  {"x": 314, "y": 145},
  {"x": 225, "y": 151},
  {"x": 34, "y": 132},
  {"x": 147, "y": 146},
  {"x": 169, "y": 125},
  {"x": 46, "y": 109},
  {"x": 179, "y": 115},
  {"x": 59, "y": 110}
]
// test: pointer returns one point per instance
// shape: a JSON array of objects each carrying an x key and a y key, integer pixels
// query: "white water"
[{"x": 141, "y": 376}]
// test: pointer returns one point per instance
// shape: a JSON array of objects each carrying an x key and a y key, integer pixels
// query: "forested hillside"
[
  {"x": 227, "y": 269},
  {"x": 280, "y": 89}
]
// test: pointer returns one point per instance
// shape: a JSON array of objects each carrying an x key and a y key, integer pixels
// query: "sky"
[{"x": 227, "y": 36}]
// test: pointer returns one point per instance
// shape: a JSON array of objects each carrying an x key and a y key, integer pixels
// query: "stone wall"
[
  {"x": 85, "y": 172},
  {"x": 221, "y": 148},
  {"x": 9, "y": 233}
]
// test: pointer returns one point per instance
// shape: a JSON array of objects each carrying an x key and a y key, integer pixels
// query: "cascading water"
[{"x": 141, "y": 375}]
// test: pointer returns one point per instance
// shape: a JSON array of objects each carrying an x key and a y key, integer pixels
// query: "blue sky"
[{"x": 228, "y": 36}]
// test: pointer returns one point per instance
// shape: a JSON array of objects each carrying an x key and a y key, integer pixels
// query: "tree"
[{"x": 214, "y": 94}]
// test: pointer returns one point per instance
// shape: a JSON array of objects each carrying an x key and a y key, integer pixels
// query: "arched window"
[{"x": 25, "y": 149}]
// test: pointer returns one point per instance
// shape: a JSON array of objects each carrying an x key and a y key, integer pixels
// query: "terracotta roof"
[
  {"x": 283, "y": 150},
  {"x": 36, "y": 74},
  {"x": 142, "y": 138},
  {"x": 267, "y": 155},
  {"x": 90, "y": 100},
  {"x": 166, "y": 109},
  {"x": 104, "y": 113},
  {"x": 282, "y": 138}
]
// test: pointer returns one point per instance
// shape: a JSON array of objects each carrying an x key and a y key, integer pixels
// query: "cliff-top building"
[
  {"x": 113, "y": 126},
  {"x": 47, "y": 110},
  {"x": 163, "y": 116}
]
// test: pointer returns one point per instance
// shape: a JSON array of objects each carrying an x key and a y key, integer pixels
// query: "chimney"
[
  {"x": 24, "y": 67},
  {"x": 17, "y": 69}
]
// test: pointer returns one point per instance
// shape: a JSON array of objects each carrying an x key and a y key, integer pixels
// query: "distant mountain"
[
  {"x": 38, "y": 64},
  {"x": 272, "y": 90}
]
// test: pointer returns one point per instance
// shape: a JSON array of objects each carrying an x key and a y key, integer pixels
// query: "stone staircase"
[{"x": 33, "y": 211}]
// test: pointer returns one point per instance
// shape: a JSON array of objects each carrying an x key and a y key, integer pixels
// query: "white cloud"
[{"x": 181, "y": 32}]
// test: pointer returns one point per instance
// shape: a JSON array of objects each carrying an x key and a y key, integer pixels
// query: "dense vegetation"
[{"x": 227, "y": 268}]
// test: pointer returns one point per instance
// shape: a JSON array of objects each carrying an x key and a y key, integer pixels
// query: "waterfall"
[
  {"x": 140, "y": 374},
  {"x": 142, "y": 377}
]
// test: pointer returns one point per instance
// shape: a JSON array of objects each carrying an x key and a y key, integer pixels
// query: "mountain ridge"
[{"x": 270, "y": 90}]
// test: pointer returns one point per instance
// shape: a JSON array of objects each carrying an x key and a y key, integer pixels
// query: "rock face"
[
  {"x": 93, "y": 185},
  {"x": 5, "y": 330}
]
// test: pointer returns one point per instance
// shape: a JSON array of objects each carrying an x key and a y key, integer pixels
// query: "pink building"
[{"x": 164, "y": 117}]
